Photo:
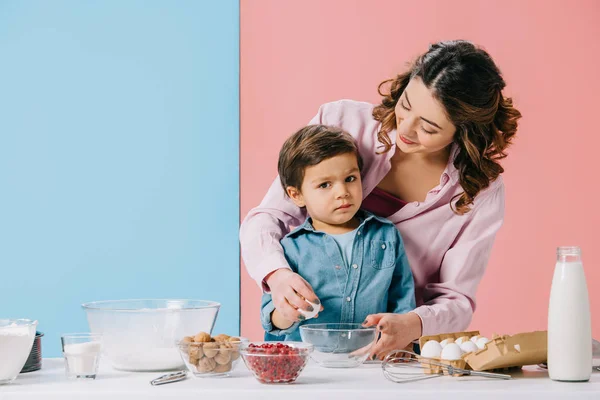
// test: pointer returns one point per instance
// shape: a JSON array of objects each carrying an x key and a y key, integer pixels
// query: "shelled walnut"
[
  {"x": 216, "y": 354},
  {"x": 202, "y": 337}
]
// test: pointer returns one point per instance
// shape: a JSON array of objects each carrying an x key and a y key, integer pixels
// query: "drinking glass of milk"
[{"x": 82, "y": 354}]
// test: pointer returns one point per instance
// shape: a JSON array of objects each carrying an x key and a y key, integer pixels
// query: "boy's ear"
[{"x": 295, "y": 195}]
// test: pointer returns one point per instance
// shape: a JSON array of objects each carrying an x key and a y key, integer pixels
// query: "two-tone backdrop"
[{"x": 135, "y": 135}]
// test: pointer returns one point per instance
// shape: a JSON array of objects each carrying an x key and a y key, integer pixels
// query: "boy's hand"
[
  {"x": 288, "y": 291},
  {"x": 279, "y": 322},
  {"x": 397, "y": 332}
]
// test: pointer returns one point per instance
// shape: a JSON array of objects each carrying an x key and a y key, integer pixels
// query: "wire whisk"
[{"x": 403, "y": 366}]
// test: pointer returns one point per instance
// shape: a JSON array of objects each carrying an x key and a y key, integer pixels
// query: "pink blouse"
[{"x": 448, "y": 253}]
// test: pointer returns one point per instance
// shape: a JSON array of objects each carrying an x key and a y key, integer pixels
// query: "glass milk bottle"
[{"x": 569, "y": 321}]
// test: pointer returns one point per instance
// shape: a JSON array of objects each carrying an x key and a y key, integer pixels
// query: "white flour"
[
  {"x": 15, "y": 345},
  {"x": 164, "y": 359}
]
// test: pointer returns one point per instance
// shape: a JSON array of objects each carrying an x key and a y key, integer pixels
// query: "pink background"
[{"x": 296, "y": 55}]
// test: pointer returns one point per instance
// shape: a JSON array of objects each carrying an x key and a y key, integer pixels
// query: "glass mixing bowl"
[
  {"x": 142, "y": 335},
  {"x": 16, "y": 340},
  {"x": 339, "y": 345}
]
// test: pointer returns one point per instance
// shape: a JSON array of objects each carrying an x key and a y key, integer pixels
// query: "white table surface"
[{"x": 315, "y": 382}]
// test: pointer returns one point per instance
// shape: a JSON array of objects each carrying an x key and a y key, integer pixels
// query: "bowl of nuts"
[
  {"x": 276, "y": 362},
  {"x": 210, "y": 356}
]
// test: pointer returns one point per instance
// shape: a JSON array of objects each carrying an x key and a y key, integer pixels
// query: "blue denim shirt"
[{"x": 378, "y": 280}]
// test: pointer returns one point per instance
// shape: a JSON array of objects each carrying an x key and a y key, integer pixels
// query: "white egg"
[
  {"x": 445, "y": 342},
  {"x": 461, "y": 340},
  {"x": 310, "y": 314},
  {"x": 468, "y": 347},
  {"x": 431, "y": 349},
  {"x": 474, "y": 338},
  {"x": 481, "y": 342},
  {"x": 452, "y": 351}
]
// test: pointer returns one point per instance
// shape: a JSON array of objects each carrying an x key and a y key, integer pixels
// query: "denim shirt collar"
[{"x": 363, "y": 215}]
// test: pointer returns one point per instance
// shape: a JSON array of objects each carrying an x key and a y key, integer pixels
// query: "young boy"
[{"x": 354, "y": 260}]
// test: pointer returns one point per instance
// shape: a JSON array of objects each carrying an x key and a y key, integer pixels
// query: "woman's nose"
[{"x": 406, "y": 126}]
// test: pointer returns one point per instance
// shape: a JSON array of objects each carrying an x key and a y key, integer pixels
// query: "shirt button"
[
  {"x": 358, "y": 233},
  {"x": 348, "y": 299},
  {"x": 337, "y": 267},
  {"x": 354, "y": 266},
  {"x": 383, "y": 246}
]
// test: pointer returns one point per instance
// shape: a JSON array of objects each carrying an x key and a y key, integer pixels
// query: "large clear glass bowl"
[
  {"x": 338, "y": 345},
  {"x": 142, "y": 335}
]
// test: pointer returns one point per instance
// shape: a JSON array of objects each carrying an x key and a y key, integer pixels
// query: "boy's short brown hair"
[{"x": 310, "y": 146}]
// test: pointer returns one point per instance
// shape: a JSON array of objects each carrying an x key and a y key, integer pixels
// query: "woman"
[{"x": 431, "y": 154}]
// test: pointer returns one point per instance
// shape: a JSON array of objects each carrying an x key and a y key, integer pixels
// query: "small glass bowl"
[
  {"x": 342, "y": 345},
  {"x": 210, "y": 359},
  {"x": 276, "y": 362}
]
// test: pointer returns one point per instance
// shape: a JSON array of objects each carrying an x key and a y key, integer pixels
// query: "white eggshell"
[
  {"x": 468, "y": 347},
  {"x": 518, "y": 348},
  {"x": 445, "y": 342},
  {"x": 431, "y": 349},
  {"x": 482, "y": 341},
  {"x": 474, "y": 338},
  {"x": 459, "y": 341},
  {"x": 310, "y": 314},
  {"x": 452, "y": 351}
]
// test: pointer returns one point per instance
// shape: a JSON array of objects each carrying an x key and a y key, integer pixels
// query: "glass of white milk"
[{"x": 82, "y": 354}]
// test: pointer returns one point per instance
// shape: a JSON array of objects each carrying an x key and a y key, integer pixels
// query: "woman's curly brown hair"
[{"x": 469, "y": 85}]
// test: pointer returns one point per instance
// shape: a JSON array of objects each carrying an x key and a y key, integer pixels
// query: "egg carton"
[
  {"x": 502, "y": 353},
  {"x": 436, "y": 369},
  {"x": 510, "y": 351}
]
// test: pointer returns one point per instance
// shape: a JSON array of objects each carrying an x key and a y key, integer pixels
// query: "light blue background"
[{"x": 119, "y": 160}]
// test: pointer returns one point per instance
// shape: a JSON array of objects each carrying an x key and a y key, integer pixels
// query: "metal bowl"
[{"x": 34, "y": 361}]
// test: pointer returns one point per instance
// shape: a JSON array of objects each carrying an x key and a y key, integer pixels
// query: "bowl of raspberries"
[{"x": 276, "y": 362}]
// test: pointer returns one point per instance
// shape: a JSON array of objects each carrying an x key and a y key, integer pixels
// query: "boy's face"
[{"x": 331, "y": 191}]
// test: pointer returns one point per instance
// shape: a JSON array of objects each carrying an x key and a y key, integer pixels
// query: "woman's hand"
[
  {"x": 397, "y": 332},
  {"x": 289, "y": 291}
]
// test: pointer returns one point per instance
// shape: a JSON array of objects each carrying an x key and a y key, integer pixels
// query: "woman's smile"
[{"x": 406, "y": 140}]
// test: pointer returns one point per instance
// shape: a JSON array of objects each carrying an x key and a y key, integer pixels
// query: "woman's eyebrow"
[
  {"x": 431, "y": 122},
  {"x": 407, "y": 100}
]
